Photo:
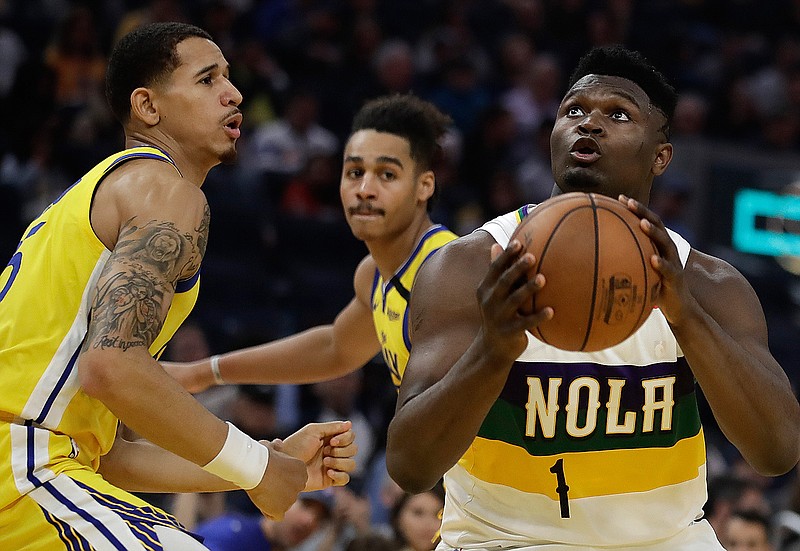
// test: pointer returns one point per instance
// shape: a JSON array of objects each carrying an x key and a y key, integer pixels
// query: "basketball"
[{"x": 596, "y": 262}]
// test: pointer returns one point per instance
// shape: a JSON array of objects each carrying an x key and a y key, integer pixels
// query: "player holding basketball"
[
  {"x": 98, "y": 285},
  {"x": 387, "y": 187},
  {"x": 546, "y": 449}
]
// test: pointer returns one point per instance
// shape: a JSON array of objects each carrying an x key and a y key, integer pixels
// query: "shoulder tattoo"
[{"x": 138, "y": 281}]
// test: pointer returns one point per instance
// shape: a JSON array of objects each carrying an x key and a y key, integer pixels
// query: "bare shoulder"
[
  {"x": 364, "y": 278},
  {"x": 705, "y": 272},
  {"x": 147, "y": 205},
  {"x": 725, "y": 294},
  {"x": 460, "y": 263},
  {"x": 445, "y": 287},
  {"x": 145, "y": 185}
]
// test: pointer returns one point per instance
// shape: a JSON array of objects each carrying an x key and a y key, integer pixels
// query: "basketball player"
[
  {"x": 387, "y": 187},
  {"x": 99, "y": 283},
  {"x": 546, "y": 449}
]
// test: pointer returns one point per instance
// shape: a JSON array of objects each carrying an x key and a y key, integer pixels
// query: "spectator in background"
[
  {"x": 190, "y": 343},
  {"x": 314, "y": 192},
  {"x": 726, "y": 494},
  {"x": 252, "y": 532},
  {"x": 280, "y": 149},
  {"x": 535, "y": 99},
  {"x": 417, "y": 518},
  {"x": 77, "y": 60},
  {"x": 391, "y": 71},
  {"x": 747, "y": 531},
  {"x": 691, "y": 115}
]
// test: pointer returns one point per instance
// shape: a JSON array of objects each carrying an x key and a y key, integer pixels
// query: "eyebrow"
[
  {"x": 621, "y": 93},
  {"x": 381, "y": 159},
  {"x": 206, "y": 69}
]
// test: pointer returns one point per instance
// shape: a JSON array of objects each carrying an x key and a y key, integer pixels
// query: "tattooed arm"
[{"x": 156, "y": 226}]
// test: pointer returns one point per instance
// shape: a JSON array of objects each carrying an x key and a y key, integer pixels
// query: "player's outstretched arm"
[
  {"x": 718, "y": 321},
  {"x": 463, "y": 350},
  {"x": 317, "y": 354},
  {"x": 130, "y": 466}
]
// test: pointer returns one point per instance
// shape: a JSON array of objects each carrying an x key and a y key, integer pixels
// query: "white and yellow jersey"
[
  {"x": 48, "y": 423},
  {"x": 390, "y": 301},
  {"x": 583, "y": 449}
]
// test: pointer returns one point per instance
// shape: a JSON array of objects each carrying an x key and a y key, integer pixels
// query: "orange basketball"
[{"x": 596, "y": 261}]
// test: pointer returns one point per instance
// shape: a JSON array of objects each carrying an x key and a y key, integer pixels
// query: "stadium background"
[{"x": 281, "y": 258}]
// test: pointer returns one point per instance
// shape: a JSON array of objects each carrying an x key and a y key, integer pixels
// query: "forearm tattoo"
[{"x": 138, "y": 281}]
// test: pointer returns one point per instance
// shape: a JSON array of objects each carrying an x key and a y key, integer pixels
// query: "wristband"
[
  {"x": 241, "y": 460},
  {"x": 218, "y": 380}
]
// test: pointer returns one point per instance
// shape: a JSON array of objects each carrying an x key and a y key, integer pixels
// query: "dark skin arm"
[
  {"x": 719, "y": 324},
  {"x": 463, "y": 351}
]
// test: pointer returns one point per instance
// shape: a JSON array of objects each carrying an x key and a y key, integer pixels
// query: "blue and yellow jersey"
[
  {"x": 390, "y": 301},
  {"x": 587, "y": 449},
  {"x": 45, "y": 297}
]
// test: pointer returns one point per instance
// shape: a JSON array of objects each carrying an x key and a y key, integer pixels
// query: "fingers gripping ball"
[{"x": 596, "y": 262}]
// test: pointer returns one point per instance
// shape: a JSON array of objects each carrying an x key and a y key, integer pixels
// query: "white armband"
[
  {"x": 241, "y": 460},
  {"x": 218, "y": 380}
]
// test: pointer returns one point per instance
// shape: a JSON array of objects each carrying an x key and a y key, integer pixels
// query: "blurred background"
[{"x": 281, "y": 257}]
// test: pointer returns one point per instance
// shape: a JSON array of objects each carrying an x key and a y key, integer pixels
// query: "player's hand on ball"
[
  {"x": 327, "y": 449},
  {"x": 282, "y": 482},
  {"x": 674, "y": 292},
  {"x": 502, "y": 295}
]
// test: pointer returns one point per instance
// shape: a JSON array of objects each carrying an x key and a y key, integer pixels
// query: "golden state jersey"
[
  {"x": 45, "y": 297},
  {"x": 583, "y": 449},
  {"x": 390, "y": 301}
]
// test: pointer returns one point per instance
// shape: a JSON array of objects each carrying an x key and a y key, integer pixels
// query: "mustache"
[
  {"x": 365, "y": 208},
  {"x": 232, "y": 112}
]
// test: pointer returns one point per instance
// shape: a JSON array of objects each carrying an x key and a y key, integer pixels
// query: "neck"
[
  {"x": 390, "y": 253},
  {"x": 189, "y": 169}
]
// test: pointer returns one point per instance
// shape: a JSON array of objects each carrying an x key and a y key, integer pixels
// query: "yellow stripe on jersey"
[{"x": 588, "y": 474}]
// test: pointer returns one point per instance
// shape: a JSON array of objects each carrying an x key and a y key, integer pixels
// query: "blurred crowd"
[{"x": 281, "y": 257}]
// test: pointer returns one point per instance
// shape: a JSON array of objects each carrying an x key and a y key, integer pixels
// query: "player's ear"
[
  {"x": 426, "y": 183},
  {"x": 143, "y": 108},
  {"x": 663, "y": 158}
]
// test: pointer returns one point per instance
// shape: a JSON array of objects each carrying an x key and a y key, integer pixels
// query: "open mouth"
[
  {"x": 232, "y": 126},
  {"x": 585, "y": 150}
]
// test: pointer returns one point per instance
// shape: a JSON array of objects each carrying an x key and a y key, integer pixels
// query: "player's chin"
[
  {"x": 229, "y": 156},
  {"x": 580, "y": 179}
]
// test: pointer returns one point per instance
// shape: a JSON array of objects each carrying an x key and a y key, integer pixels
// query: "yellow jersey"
[
  {"x": 45, "y": 298},
  {"x": 390, "y": 301}
]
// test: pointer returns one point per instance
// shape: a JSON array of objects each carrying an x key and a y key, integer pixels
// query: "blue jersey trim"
[{"x": 184, "y": 285}]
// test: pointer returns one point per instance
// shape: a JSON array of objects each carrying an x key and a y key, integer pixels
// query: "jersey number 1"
[{"x": 562, "y": 489}]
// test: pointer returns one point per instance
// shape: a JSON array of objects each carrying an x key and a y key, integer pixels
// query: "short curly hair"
[{"x": 409, "y": 117}]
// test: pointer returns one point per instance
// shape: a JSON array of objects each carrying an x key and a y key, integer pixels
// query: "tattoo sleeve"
[{"x": 136, "y": 286}]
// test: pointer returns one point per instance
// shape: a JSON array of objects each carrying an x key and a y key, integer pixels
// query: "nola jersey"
[
  {"x": 48, "y": 425},
  {"x": 583, "y": 449},
  {"x": 390, "y": 301}
]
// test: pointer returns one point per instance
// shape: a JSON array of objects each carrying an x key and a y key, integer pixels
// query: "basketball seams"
[
  {"x": 643, "y": 261},
  {"x": 540, "y": 260},
  {"x": 596, "y": 271},
  {"x": 568, "y": 242}
]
